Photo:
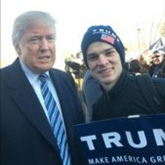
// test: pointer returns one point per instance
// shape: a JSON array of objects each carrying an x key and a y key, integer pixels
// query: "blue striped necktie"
[{"x": 55, "y": 120}]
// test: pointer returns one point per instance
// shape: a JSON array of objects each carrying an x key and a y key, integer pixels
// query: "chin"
[
  {"x": 46, "y": 66},
  {"x": 43, "y": 69},
  {"x": 107, "y": 80}
]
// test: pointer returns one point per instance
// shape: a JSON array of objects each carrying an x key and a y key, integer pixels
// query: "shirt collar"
[{"x": 29, "y": 73}]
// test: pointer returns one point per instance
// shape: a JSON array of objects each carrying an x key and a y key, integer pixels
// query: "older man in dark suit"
[{"x": 30, "y": 134}]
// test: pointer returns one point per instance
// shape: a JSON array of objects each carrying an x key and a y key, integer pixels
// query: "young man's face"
[
  {"x": 37, "y": 48},
  {"x": 104, "y": 63}
]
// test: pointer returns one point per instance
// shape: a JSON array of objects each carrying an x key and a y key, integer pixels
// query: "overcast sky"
[{"x": 75, "y": 16}]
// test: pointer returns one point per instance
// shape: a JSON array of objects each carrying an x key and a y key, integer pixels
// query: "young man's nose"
[{"x": 102, "y": 60}]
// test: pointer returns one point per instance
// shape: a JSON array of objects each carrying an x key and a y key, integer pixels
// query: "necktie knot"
[{"x": 43, "y": 77}]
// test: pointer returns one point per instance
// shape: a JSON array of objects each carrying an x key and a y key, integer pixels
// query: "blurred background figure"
[
  {"x": 157, "y": 61},
  {"x": 91, "y": 90},
  {"x": 75, "y": 66},
  {"x": 135, "y": 67}
]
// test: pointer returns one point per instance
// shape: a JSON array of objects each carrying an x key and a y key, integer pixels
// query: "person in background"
[
  {"x": 104, "y": 55},
  {"x": 39, "y": 104},
  {"x": 90, "y": 91},
  {"x": 157, "y": 62},
  {"x": 135, "y": 67}
]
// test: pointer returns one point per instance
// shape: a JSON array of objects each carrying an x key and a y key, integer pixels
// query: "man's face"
[
  {"x": 157, "y": 58},
  {"x": 104, "y": 63},
  {"x": 37, "y": 48}
]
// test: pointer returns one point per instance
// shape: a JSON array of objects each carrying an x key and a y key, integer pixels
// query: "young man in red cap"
[{"x": 104, "y": 55}]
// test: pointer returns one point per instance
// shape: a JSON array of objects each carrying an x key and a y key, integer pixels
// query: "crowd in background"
[{"x": 152, "y": 62}]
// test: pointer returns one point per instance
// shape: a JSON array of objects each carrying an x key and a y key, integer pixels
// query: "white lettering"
[
  {"x": 142, "y": 138},
  {"x": 144, "y": 160},
  {"x": 112, "y": 137},
  {"x": 159, "y": 135},
  {"x": 89, "y": 140},
  {"x": 91, "y": 161},
  {"x": 152, "y": 159},
  {"x": 128, "y": 158},
  {"x": 157, "y": 159},
  {"x": 98, "y": 160},
  {"x": 103, "y": 31}
]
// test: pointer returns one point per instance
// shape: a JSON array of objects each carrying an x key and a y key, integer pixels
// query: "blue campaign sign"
[{"x": 124, "y": 141}]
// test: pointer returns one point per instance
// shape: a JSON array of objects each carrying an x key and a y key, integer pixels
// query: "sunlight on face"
[{"x": 104, "y": 63}]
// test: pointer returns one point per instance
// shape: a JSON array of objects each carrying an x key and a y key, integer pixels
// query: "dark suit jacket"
[{"x": 26, "y": 136}]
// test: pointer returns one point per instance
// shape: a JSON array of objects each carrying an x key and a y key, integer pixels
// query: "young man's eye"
[
  {"x": 109, "y": 53},
  {"x": 92, "y": 57}
]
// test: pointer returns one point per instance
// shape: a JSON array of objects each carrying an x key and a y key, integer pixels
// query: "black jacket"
[
  {"x": 26, "y": 137},
  {"x": 126, "y": 99}
]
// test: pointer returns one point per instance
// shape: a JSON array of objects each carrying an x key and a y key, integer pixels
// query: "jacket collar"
[
  {"x": 25, "y": 98},
  {"x": 118, "y": 86}
]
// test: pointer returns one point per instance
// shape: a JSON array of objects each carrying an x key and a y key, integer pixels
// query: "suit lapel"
[
  {"x": 64, "y": 98},
  {"x": 25, "y": 97}
]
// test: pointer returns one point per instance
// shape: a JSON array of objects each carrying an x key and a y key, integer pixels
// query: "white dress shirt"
[{"x": 35, "y": 83}]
